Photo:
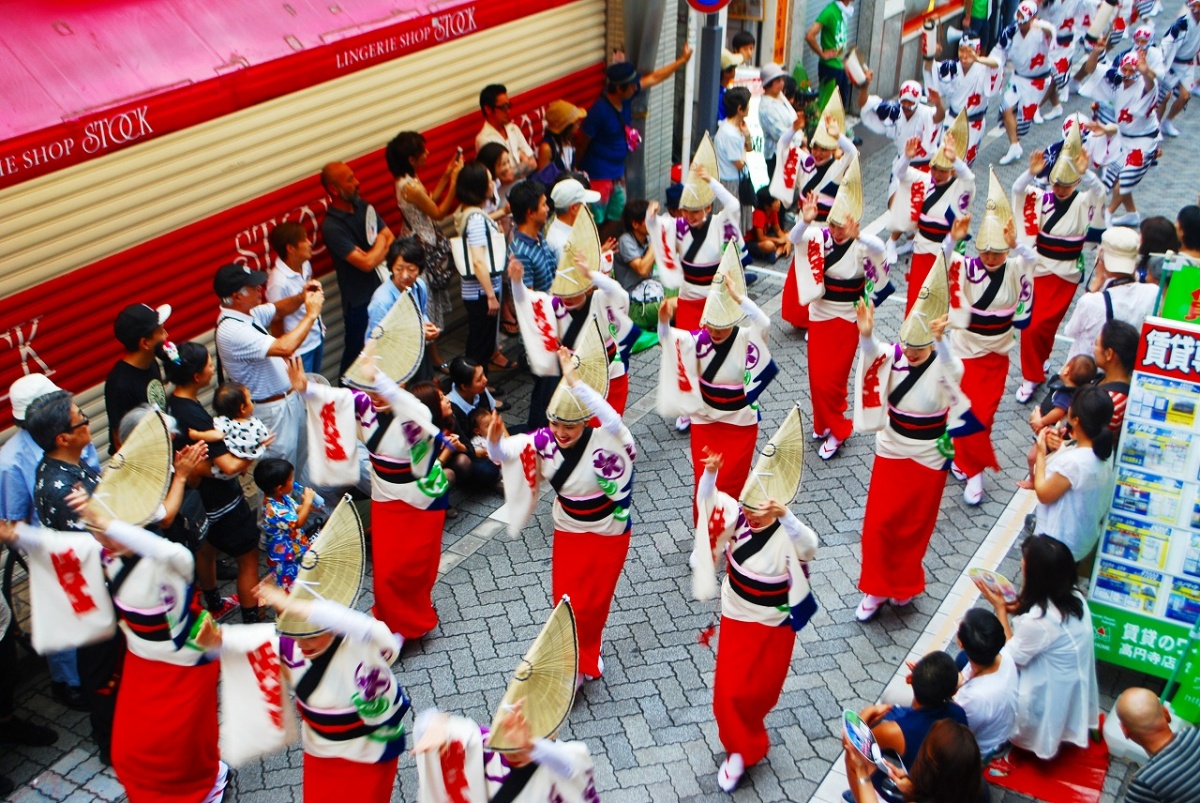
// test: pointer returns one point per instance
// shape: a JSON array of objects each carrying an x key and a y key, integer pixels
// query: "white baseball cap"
[
  {"x": 28, "y": 389},
  {"x": 1120, "y": 244},
  {"x": 569, "y": 192}
]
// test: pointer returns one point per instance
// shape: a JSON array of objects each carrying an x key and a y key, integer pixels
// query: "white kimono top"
[
  {"x": 797, "y": 172},
  {"x": 930, "y": 209},
  {"x": 987, "y": 307},
  {"x": 1057, "y": 229},
  {"x": 887, "y": 118},
  {"x": 688, "y": 258},
  {"x": 831, "y": 276}
]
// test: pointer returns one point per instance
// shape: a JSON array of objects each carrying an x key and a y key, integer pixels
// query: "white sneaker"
[
  {"x": 890, "y": 249},
  {"x": 683, "y": 424},
  {"x": 868, "y": 607},
  {"x": 900, "y": 602},
  {"x": 599, "y": 670},
  {"x": 958, "y": 473},
  {"x": 1169, "y": 128},
  {"x": 820, "y": 436},
  {"x": 805, "y": 335},
  {"x": 973, "y": 493},
  {"x": 1107, "y": 219},
  {"x": 1025, "y": 391},
  {"x": 730, "y": 772},
  {"x": 1015, "y": 152},
  {"x": 829, "y": 448},
  {"x": 905, "y": 246},
  {"x": 1064, "y": 94},
  {"x": 1037, "y": 117},
  {"x": 1128, "y": 219},
  {"x": 1054, "y": 113}
]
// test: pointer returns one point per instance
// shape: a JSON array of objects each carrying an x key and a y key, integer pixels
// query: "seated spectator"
[
  {"x": 1114, "y": 292},
  {"x": 1050, "y": 640},
  {"x": 988, "y": 692},
  {"x": 633, "y": 262},
  {"x": 948, "y": 769},
  {"x": 1079, "y": 371},
  {"x": 468, "y": 390},
  {"x": 463, "y": 467},
  {"x": 1116, "y": 354},
  {"x": 903, "y": 728},
  {"x": 1074, "y": 483},
  {"x": 1170, "y": 774},
  {"x": 766, "y": 241},
  {"x": 1187, "y": 226}
]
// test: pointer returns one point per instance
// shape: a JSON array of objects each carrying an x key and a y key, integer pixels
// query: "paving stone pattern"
[{"x": 649, "y": 721}]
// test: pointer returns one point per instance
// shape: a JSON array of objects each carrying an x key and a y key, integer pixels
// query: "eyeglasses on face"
[
  {"x": 82, "y": 423},
  {"x": 503, "y": 106}
]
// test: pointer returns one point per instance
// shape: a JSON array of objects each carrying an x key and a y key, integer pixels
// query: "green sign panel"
[
  {"x": 1150, "y": 645},
  {"x": 1182, "y": 301}
]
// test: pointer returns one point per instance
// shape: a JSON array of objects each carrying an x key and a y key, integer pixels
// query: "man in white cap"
[
  {"x": 1026, "y": 44},
  {"x": 1180, "y": 45},
  {"x": 775, "y": 113},
  {"x": 136, "y": 378},
  {"x": 19, "y": 458},
  {"x": 965, "y": 84},
  {"x": 569, "y": 196},
  {"x": 1114, "y": 293},
  {"x": 903, "y": 120}
]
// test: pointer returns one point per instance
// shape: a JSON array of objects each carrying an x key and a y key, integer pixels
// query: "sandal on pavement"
[{"x": 507, "y": 365}]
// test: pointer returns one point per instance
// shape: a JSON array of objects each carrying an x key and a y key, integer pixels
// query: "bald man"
[
  {"x": 1170, "y": 774},
  {"x": 358, "y": 241}
]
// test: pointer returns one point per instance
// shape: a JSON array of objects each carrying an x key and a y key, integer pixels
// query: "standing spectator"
[
  {"x": 499, "y": 127},
  {"x": 730, "y": 61},
  {"x": 556, "y": 154},
  {"x": 496, "y": 159},
  {"x": 1187, "y": 224},
  {"x": 731, "y": 143},
  {"x": 135, "y": 378},
  {"x": 604, "y": 137},
  {"x": 828, "y": 37},
  {"x": 1115, "y": 354},
  {"x": 743, "y": 43},
  {"x": 975, "y": 23},
  {"x": 480, "y": 289},
  {"x": 988, "y": 692},
  {"x": 19, "y": 459},
  {"x": 530, "y": 213},
  {"x": 1050, "y": 640},
  {"x": 775, "y": 114},
  {"x": 1114, "y": 292},
  {"x": 422, "y": 212},
  {"x": 569, "y": 196},
  {"x": 1170, "y": 774},
  {"x": 292, "y": 272},
  {"x": 1158, "y": 238},
  {"x": 249, "y": 354},
  {"x": 408, "y": 260},
  {"x": 14, "y": 731},
  {"x": 358, "y": 242}
]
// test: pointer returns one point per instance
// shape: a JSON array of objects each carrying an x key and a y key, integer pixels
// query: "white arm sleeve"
[
  {"x": 1022, "y": 183},
  {"x": 900, "y": 166},
  {"x": 706, "y": 489},
  {"x": 498, "y": 451},
  {"x": 149, "y": 545},
  {"x": 606, "y": 285},
  {"x": 29, "y": 537},
  {"x": 849, "y": 149},
  {"x": 610, "y": 419},
  {"x": 554, "y": 757},
  {"x": 728, "y": 202},
  {"x": 802, "y": 535},
  {"x": 870, "y": 347},
  {"x": 874, "y": 246},
  {"x": 797, "y": 233},
  {"x": 354, "y": 625},
  {"x": 963, "y": 171},
  {"x": 758, "y": 319}
]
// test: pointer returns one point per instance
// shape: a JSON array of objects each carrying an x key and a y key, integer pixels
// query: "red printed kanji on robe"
[
  {"x": 529, "y": 466},
  {"x": 816, "y": 260},
  {"x": 871, "y": 395},
  {"x": 685, "y": 385},
  {"x": 918, "y": 200},
  {"x": 544, "y": 327},
  {"x": 789, "y": 167},
  {"x": 264, "y": 661},
  {"x": 333, "y": 438},
  {"x": 1029, "y": 214},
  {"x": 453, "y": 760},
  {"x": 716, "y": 526},
  {"x": 69, "y": 571}
]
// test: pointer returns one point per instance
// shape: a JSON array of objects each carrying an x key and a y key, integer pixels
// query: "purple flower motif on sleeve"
[
  {"x": 609, "y": 464},
  {"x": 752, "y": 356},
  {"x": 371, "y": 682}
]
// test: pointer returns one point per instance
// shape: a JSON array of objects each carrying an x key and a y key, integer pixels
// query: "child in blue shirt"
[{"x": 284, "y": 517}]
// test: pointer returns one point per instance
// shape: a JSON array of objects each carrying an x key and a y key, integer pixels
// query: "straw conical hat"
[
  {"x": 959, "y": 132},
  {"x": 1064, "y": 170},
  {"x": 848, "y": 204},
  {"x": 591, "y": 361},
  {"x": 584, "y": 243},
  {"x": 720, "y": 310},
  {"x": 399, "y": 344},
  {"x": 136, "y": 480},
  {"x": 544, "y": 680},
  {"x": 780, "y": 465},
  {"x": 835, "y": 109},
  {"x": 697, "y": 194},
  {"x": 331, "y": 568},
  {"x": 996, "y": 216},
  {"x": 933, "y": 301}
]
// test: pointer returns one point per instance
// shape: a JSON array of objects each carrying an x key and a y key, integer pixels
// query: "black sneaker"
[
  {"x": 6, "y": 786},
  {"x": 23, "y": 732},
  {"x": 70, "y": 696}
]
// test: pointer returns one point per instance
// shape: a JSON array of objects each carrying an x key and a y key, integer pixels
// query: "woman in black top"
[{"x": 232, "y": 527}]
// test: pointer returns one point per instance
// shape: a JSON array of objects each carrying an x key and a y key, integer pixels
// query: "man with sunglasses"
[{"x": 499, "y": 127}]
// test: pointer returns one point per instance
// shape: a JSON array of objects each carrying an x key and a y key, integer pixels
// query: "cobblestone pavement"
[{"x": 648, "y": 722}]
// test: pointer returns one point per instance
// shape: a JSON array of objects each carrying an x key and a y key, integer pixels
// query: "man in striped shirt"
[{"x": 1170, "y": 775}]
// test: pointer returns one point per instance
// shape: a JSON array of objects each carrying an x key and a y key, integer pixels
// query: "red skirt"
[
  {"x": 735, "y": 444},
  {"x": 336, "y": 780},
  {"x": 688, "y": 314},
  {"x": 831, "y": 347},
  {"x": 983, "y": 382},
  {"x": 793, "y": 311},
  {"x": 752, "y": 664},
  {"x": 406, "y": 547},
  {"x": 164, "y": 744},
  {"x": 917, "y": 271},
  {"x": 586, "y": 567},
  {"x": 902, "y": 509},
  {"x": 1051, "y": 297},
  {"x": 618, "y": 396}
]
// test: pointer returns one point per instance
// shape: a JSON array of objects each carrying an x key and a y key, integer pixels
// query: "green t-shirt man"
[
  {"x": 978, "y": 9},
  {"x": 833, "y": 33}
]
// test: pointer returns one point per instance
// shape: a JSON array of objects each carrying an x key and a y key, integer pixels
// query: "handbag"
[
  {"x": 747, "y": 195},
  {"x": 496, "y": 246},
  {"x": 438, "y": 271}
]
